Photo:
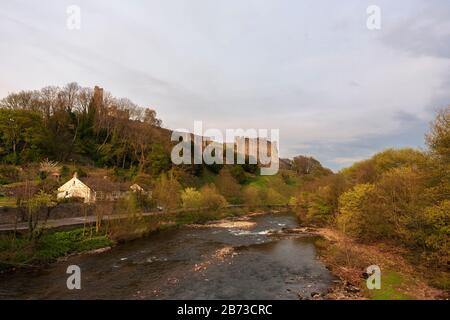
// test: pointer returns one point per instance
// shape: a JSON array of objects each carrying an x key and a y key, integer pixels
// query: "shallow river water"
[{"x": 188, "y": 263}]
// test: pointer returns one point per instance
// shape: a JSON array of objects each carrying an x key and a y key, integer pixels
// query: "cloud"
[
  {"x": 336, "y": 90},
  {"x": 426, "y": 32},
  {"x": 345, "y": 161}
]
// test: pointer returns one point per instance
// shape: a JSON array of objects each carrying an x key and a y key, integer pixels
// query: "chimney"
[{"x": 75, "y": 174}]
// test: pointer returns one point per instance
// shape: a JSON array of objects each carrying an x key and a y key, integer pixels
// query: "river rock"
[{"x": 352, "y": 289}]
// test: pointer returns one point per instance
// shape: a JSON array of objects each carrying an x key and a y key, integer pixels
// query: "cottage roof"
[{"x": 71, "y": 183}]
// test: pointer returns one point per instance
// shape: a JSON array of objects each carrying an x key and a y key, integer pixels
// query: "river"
[{"x": 188, "y": 263}]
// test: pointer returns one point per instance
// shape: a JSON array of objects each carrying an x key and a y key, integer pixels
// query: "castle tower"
[{"x": 98, "y": 96}]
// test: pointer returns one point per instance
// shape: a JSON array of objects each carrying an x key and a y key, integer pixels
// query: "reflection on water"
[{"x": 188, "y": 263}]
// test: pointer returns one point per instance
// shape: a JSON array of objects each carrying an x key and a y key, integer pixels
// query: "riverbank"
[
  {"x": 348, "y": 260},
  {"x": 19, "y": 251},
  {"x": 217, "y": 261},
  {"x": 343, "y": 257}
]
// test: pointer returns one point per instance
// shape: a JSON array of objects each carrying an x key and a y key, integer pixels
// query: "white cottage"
[{"x": 75, "y": 188}]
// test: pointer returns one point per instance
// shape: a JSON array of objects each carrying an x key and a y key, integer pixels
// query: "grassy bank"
[
  {"x": 19, "y": 251},
  {"x": 400, "y": 279}
]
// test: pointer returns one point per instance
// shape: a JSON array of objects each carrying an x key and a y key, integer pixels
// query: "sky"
[{"x": 335, "y": 89}]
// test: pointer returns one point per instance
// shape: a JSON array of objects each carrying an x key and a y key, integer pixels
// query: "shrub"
[
  {"x": 191, "y": 198},
  {"x": 167, "y": 191},
  {"x": 353, "y": 218},
  {"x": 251, "y": 197},
  {"x": 211, "y": 199},
  {"x": 9, "y": 174},
  {"x": 437, "y": 237},
  {"x": 228, "y": 186},
  {"x": 273, "y": 197}
]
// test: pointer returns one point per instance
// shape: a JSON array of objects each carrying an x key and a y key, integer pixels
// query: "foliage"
[
  {"x": 167, "y": 191},
  {"x": 9, "y": 174},
  {"x": 71, "y": 124},
  {"x": 18, "y": 250},
  {"x": 437, "y": 231},
  {"x": 354, "y": 218},
  {"x": 309, "y": 166},
  {"x": 191, "y": 198},
  {"x": 399, "y": 195},
  {"x": 211, "y": 198},
  {"x": 251, "y": 197},
  {"x": 159, "y": 159},
  {"x": 438, "y": 139},
  {"x": 228, "y": 186},
  {"x": 22, "y": 136},
  {"x": 273, "y": 197}
]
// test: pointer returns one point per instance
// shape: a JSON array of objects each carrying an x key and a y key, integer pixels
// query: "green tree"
[
  {"x": 22, "y": 135},
  {"x": 158, "y": 159},
  {"x": 191, "y": 198},
  {"x": 211, "y": 198},
  {"x": 437, "y": 234},
  {"x": 353, "y": 218},
  {"x": 438, "y": 139},
  {"x": 228, "y": 186},
  {"x": 167, "y": 191},
  {"x": 251, "y": 197}
]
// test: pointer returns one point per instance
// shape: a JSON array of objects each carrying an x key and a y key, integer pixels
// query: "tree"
[
  {"x": 309, "y": 166},
  {"x": 33, "y": 205},
  {"x": 353, "y": 218},
  {"x": 399, "y": 199},
  {"x": 227, "y": 186},
  {"x": 191, "y": 198},
  {"x": 251, "y": 197},
  {"x": 22, "y": 135},
  {"x": 167, "y": 191},
  {"x": 212, "y": 199},
  {"x": 438, "y": 139},
  {"x": 437, "y": 234},
  {"x": 158, "y": 159}
]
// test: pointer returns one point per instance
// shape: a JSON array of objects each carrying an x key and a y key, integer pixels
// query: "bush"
[
  {"x": 273, "y": 197},
  {"x": 191, "y": 198},
  {"x": 9, "y": 174},
  {"x": 228, "y": 186},
  {"x": 398, "y": 203},
  {"x": 438, "y": 139},
  {"x": 211, "y": 199},
  {"x": 437, "y": 237},
  {"x": 251, "y": 197},
  {"x": 167, "y": 191},
  {"x": 48, "y": 185},
  {"x": 64, "y": 172},
  {"x": 353, "y": 218},
  {"x": 319, "y": 210}
]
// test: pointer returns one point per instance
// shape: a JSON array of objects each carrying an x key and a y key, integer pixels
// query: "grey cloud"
[
  {"x": 249, "y": 64},
  {"x": 425, "y": 33}
]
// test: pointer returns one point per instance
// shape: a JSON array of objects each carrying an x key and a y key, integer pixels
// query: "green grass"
[
  {"x": 206, "y": 215},
  {"x": 7, "y": 202},
  {"x": 62, "y": 243},
  {"x": 19, "y": 250},
  {"x": 196, "y": 217},
  {"x": 391, "y": 284}
]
